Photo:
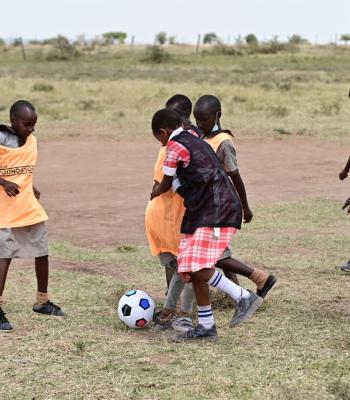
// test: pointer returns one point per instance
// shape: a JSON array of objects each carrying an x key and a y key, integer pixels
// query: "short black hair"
[
  {"x": 180, "y": 104},
  {"x": 209, "y": 101},
  {"x": 20, "y": 105},
  {"x": 165, "y": 118}
]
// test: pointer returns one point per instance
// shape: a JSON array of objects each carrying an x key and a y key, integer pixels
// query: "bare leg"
[
  {"x": 200, "y": 286},
  {"x": 234, "y": 266},
  {"x": 4, "y": 267},
  {"x": 42, "y": 273}
]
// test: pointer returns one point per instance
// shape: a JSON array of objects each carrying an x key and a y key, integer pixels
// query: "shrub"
[
  {"x": 156, "y": 54},
  {"x": 111, "y": 37},
  {"x": 279, "y": 111},
  {"x": 17, "y": 42},
  {"x": 251, "y": 39},
  {"x": 211, "y": 38},
  {"x": 172, "y": 40},
  {"x": 284, "y": 85},
  {"x": 86, "y": 105},
  {"x": 161, "y": 38},
  {"x": 329, "y": 109},
  {"x": 63, "y": 50},
  {"x": 224, "y": 49},
  {"x": 345, "y": 38},
  {"x": 42, "y": 87},
  {"x": 239, "y": 99},
  {"x": 297, "y": 39}
]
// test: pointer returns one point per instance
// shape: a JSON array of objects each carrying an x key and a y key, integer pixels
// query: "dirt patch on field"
[{"x": 96, "y": 190}]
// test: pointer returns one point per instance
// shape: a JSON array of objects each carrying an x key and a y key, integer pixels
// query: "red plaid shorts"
[{"x": 202, "y": 249}]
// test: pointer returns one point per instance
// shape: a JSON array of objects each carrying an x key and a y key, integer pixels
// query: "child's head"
[
  {"x": 164, "y": 123},
  {"x": 23, "y": 118},
  {"x": 207, "y": 113},
  {"x": 180, "y": 104}
]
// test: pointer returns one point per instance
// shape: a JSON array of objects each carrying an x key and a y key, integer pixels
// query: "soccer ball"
[{"x": 136, "y": 309}]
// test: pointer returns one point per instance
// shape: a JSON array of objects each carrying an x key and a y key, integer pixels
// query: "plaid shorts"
[{"x": 202, "y": 249}]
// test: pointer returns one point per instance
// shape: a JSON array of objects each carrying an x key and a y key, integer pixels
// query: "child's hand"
[
  {"x": 347, "y": 204},
  {"x": 155, "y": 191},
  {"x": 247, "y": 215},
  {"x": 11, "y": 188},
  {"x": 36, "y": 193},
  {"x": 343, "y": 174}
]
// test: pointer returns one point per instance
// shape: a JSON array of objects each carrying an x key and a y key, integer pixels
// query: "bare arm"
[
  {"x": 240, "y": 189},
  {"x": 162, "y": 187},
  {"x": 344, "y": 173},
  {"x": 36, "y": 192}
]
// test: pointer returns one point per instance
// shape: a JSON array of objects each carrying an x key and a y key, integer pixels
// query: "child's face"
[
  {"x": 162, "y": 136},
  {"x": 205, "y": 119},
  {"x": 24, "y": 123}
]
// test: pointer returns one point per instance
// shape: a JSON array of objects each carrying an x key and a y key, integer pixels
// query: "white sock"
[
  {"x": 205, "y": 316},
  {"x": 219, "y": 281}
]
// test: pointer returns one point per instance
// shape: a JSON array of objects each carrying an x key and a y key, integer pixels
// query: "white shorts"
[{"x": 24, "y": 242}]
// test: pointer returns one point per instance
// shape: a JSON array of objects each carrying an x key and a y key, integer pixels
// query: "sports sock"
[
  {"x": 259, "y": 277},
  {"x": 42, "y": 298},
  {"x": 205, "y": 316},
  {"x": 219, "y": 281}
]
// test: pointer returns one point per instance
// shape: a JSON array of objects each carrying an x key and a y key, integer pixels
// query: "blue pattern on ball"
[{"x": 144, "y": 303}]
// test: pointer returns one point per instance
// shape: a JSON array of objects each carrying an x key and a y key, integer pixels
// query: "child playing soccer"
[
  {"x": 343, "y": 175},
  {"x": 163, "y": 220},
  {"x": 213, "y": 214},
  {"x": 207, "y": 112},
  {"x": 22, "y": 227}
]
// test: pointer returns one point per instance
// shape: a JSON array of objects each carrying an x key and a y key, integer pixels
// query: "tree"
[
  {"x": 251, "y": 39},
  {"x": 345, "y": 38},
  {"x": 211, "y": 38},
  {"x": 296, "y": 39},
  {"x": 2, "y": 42},
  {"x": 172, "y": 39},
  {"x": 112, "y": 37},
  {"x": 17, "y": 42},
  {"x": 161, "y": 38}
]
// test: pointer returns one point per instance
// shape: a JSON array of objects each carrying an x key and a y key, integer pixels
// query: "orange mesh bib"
[
  {"x": 17, "y": 165},
  {"x": 218, "y": 139},
  {"x": 164, "y": 216}
]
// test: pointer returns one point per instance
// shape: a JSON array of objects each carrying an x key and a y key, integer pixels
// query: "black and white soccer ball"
[{"x": 136, "y": 309}]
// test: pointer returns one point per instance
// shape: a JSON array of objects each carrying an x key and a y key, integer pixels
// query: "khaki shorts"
[{"x": 25, "y": 242}]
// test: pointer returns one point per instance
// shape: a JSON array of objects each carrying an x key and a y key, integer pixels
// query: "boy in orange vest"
[{"x": 22, "y": 218}]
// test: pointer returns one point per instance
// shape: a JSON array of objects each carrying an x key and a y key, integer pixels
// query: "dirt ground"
[{"x": 96, "y": 190}]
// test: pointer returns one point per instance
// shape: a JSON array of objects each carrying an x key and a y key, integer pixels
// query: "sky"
[{"x": 317, "y": 20}]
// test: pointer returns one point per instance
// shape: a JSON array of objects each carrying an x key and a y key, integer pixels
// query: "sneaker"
[
  {"x": 5, "y": 325},
  {"x": 270, "y": 281},
  {"x": 164, "y": 322},
  {"x": 197, "y": 333},
  {"x": 346, "y": 267},
  {"x": 182, "y": 324},
  {"x": 245, "y": 308},
  {"x": 49, "y": 308}
]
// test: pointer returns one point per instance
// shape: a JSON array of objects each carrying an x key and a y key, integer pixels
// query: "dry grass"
[
  {"x": 304, "y": 94},
  {"x": 296, "y": 347}
]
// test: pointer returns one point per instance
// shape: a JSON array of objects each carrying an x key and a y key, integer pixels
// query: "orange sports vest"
[
  {"x": 218, "y": 139},
  {"x": 164, "y": 216},
  {"x": 17, "y": 165}
]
